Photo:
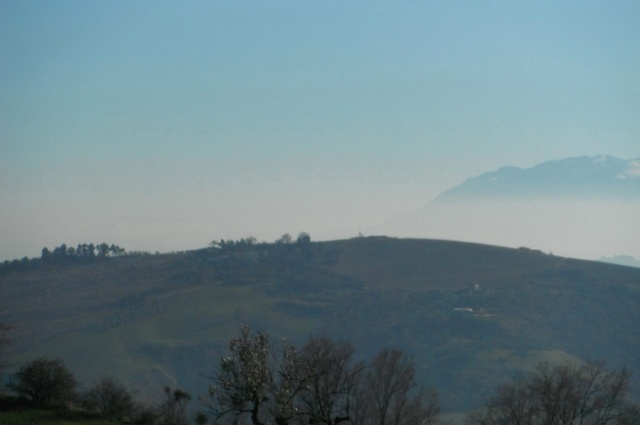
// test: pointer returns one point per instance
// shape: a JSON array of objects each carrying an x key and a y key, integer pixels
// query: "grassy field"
[{"x": 51, "y": 417}]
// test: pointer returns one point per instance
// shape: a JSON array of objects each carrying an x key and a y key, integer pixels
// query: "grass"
[{"x": 51, "y": 417}]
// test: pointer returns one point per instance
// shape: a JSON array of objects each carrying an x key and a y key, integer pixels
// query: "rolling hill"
[{"x": 471, "y": 315}]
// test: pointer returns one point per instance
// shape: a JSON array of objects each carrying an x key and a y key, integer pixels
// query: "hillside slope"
[{"x": 471, "y": 315}]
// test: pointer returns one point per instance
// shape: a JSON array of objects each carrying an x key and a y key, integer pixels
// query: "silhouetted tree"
[
  {"x": 45, "y": 382},
  {"x": 86, "y": 250},
  {"x": 103, "y": 249},
  {"x": 116, "y": 250},
  {"x": 630, "y": 415},
  {"x": 60, "y": 251},
  {"x": 319, "y": 384},
  {"x": 303, "y": 239},
  {"x": 4, "y": 342},
  {"x": 331, "y": 378},
  {"x": 83, "y": 251}
]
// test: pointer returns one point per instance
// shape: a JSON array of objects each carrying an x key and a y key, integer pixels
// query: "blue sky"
[{"x": 162, "y": 125}]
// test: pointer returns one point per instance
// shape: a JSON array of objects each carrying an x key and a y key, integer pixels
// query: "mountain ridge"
[{"x": 589, "y": 177}]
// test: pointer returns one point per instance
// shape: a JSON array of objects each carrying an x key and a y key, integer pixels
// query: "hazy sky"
[{"x": 163, "y": 125}]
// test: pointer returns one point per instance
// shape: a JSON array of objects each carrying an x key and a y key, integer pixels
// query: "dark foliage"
[
  {"x": 63, "y": 255},
  {"x": 84, "y": 250},
  {"x": 171, "y": 410},
  {"x": 45, "y": 382},
  {"x": 4, "y": 342}
]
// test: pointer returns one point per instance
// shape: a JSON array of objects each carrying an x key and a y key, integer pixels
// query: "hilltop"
[{"x": 471, "y": 315}]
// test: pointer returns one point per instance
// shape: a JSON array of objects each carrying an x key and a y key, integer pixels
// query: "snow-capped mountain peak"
[{"x": 596, "y": 177}]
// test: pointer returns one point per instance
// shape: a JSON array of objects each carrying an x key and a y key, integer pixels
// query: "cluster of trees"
[
  {"x": 63, "y": 253},
  {"x": 285, "y": 252},
  {"x": 303, "y": 239},
  {"x": 319, "y": 383},
  {"x": 82, "y": 251},
  {"x": 322, "y": 383},
  {"x": 47, "y": 383},
  {"x": 564, "y": 394},
  {"x": 230, "y": 244}
]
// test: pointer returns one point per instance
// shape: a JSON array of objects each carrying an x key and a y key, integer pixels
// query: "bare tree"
[
  {"x": 390, "y": 394},
  {"x": 321, "y": 383},
  {"x": 630, "y": 415},
  {"x": 110, "y": 398},
  {"x": 566, "y": 394},
  {"x": 331, "y": 378},
  {"x": 509, "y": 405}
]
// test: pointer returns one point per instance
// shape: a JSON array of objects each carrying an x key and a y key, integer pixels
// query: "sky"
[{"x": 162, "y": 125}]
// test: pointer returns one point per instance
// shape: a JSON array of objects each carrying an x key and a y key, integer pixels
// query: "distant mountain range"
[{"x": 597, "y": 177}]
